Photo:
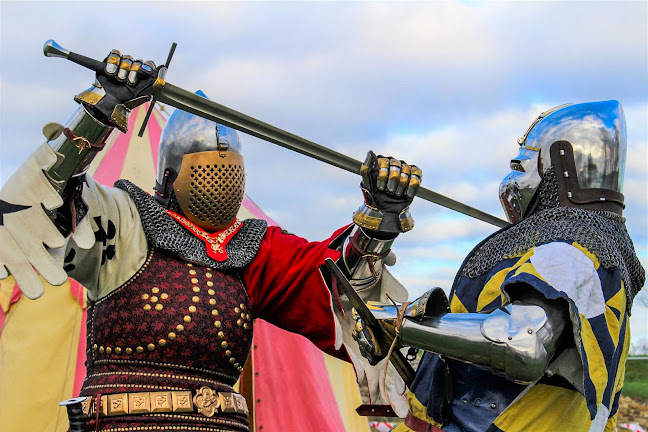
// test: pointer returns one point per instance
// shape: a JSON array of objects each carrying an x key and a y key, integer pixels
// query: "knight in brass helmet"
[
  {"x": 175, "y": 280},
  {"x": 536, "y": 333}
]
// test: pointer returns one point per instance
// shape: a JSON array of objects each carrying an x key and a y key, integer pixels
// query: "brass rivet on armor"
[
  {"x": 180, "y": 327},
  {"x": 232, "y": 360},
  {"x": 189, "y": 265},
  {"x": 217, "y": 324},
  {"x": 147, "y": 307},
  {"x": 158, "y": 307},
  {"x": 228, "y": 353},
  {"x": 194, "y": 280},
  {"x": 243, "y": 315},
  {"x": 240, "y": 369},
  {"x": 155, "y": 290},
  {"x": 239, "y": 322},
  {"x": 187, "y": 319},
  {"x": 214, "y": 312},
  {"x": 242, "y": 306},
  {"x": 210, "y": 283},
  {"x": 224, "y": 344},
  {"x": 209, "y": 269},
  {"x": 221, "y": 334},
  {"x": 145, "y": 296},
  {"x": 236, "y": 365},
  {"x": 164, "y": 296},
  {"x": 161, "y": 342},
  {"x": 117, "y": 350},
  {"x": 108, "y": 350},
  {"x": 139, "y": 349},
  {"x": 237, "y": 310},
  {"x": 248, "y": 317},
  {"x": 208, "y": 275},
  {"x": 196, "y": 289},
  {"x": 212, "y": 302},
  {"x": 246, "y": 326},
  {"x": 150, "y": 347},
  {"x": 195, "y": 299},
  {"x": 172, "y": 336},
  {"x": 211, "y": 292},
  {"x": 95, "y": 347},
  {"x": 154, "y": 299},
  {"x": 192, "y": 272},
  {"x": 101, "y": 349},
  {"x": 192, "y": 309},
  {"x": 129, "y": 351}
]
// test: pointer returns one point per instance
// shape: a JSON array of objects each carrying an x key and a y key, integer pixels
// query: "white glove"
[{"x": 25, "y": 227}]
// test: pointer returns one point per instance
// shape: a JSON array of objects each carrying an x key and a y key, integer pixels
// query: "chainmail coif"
[
  {"x": 163, "y": 232},
  {"x": 602, "y": 233}
]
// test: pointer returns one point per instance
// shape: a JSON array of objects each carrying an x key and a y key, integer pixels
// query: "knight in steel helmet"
[
  {"x": 200, "y": 170},
  {"x": 571, "y": 156}
]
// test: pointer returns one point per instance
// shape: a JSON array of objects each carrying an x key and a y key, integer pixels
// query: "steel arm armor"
[
  {"x": 517, "y": 340},
  {"x": 363, "y": 257}
]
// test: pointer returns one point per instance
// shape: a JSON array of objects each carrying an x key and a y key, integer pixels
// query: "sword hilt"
[
  {"x": 52, "y": 49},
  {"x": 75, "y": 413}
]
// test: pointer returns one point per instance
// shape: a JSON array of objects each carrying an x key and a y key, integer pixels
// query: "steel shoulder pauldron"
[
  {"x": 517, "y": 340},
  {"x": 363, "y": 258}
]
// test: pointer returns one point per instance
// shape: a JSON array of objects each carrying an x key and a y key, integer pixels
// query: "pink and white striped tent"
[{"x": 293, "y": 385}]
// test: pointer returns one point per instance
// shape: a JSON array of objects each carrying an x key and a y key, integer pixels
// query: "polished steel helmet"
[
  {"x": 585, "y": 144},
  {"x": 201, "y": 165}
]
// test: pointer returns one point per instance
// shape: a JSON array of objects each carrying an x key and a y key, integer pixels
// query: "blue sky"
[{"x": 448, "y": 86}]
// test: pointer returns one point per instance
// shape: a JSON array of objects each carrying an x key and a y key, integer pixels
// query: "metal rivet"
[
  {"x": 196, "y": 289},
  {"x": 154, "y": 299},
  {"x": 189, "y": 265},
  {"x": 101, "y": 349},
  {"x": 478, "y": 401},
  {"x": 180, "y": 327},
  {"x": 145, "y": 296},
  {"x": 248, "y": 316},
  {"x": 237, "y": 310},
  {"x": 194, "y": 280},
  {"x": 239, "y": 322},
  {"x": 95, "y": 347},
  {"x": 228, "y": 353},
  {"x": 161, "y": 342},
  {"x": 243, "y": 315},
  {"x": 210, "y": 283},
  {"x": 195, "y": 299},
  {"x": 221, "y": 334},
  {"x": 129, "y": 351},
  {"x": 118, "y": 350},
  {"x": 108, "y": 350},
  {"x": 155, "y": 290},
  {"x": 147, "y": 307},
  {"x": 530, "y": 331},
  {"x": 164, "y": 296},
  {"x": 236, "y": 365},
  {"x": 464, "y": 400},
  {"x": 187, "y": 319},
  {"x": 192, "y": 309},
  {"x": 215, "y": 312},
  {"x": 208, "y": 275},
  {"x": 493, "y": 405},
  {"x": 224, "y": 344},
  {"x": 232, "y": 360},
  {"x": 192, "y": 272},
  {"x": 172, "y": 336},
  {"x": 150, "y": 347},
  {"x": 246, "y": 326},
  {"x": 242, "y": 306},
  {"x": 211, "y": 292},
  {"x": 158, "y": 307},
  {"x": 212, "y": 302},
  {"x": 139, "y": 349},
  {"x": 510, "y": 338},
  {"x": 217, "y": 324}
]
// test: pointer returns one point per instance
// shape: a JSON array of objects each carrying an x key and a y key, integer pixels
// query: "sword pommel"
[{"x": 52, "y": 49}]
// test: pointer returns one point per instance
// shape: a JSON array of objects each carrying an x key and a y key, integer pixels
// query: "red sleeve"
[{"x": 286, "y": 287}]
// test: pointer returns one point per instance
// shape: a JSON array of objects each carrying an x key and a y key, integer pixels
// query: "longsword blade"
[{"x": 205, "y": 108}]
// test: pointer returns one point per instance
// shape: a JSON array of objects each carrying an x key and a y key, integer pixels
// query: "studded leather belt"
[{"x": 204, "y": 401}]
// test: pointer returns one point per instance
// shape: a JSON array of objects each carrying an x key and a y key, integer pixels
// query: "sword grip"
[
  {"x": 52, "y": 49},
  {"x": 75, "y": 414}
]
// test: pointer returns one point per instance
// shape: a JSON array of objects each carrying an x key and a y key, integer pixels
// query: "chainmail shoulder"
[
  {"x": 162, "y": 232},
  {"x": 602, "y": 233}
]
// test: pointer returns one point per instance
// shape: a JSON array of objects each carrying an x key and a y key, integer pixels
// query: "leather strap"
[{"x": 418, "y": 425}]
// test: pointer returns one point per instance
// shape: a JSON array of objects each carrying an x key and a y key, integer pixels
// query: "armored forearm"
[
  {"x": 363, "y": 256},
  {"x": 517, "y": 341}
]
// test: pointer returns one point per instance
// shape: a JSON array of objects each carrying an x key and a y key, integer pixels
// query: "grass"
[{"x": 636, "y": 379}]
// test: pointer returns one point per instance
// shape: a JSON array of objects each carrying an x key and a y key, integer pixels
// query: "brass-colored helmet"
[
  {"x": 201, "y": 167},
  {"x": 585, "y": 145}
]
